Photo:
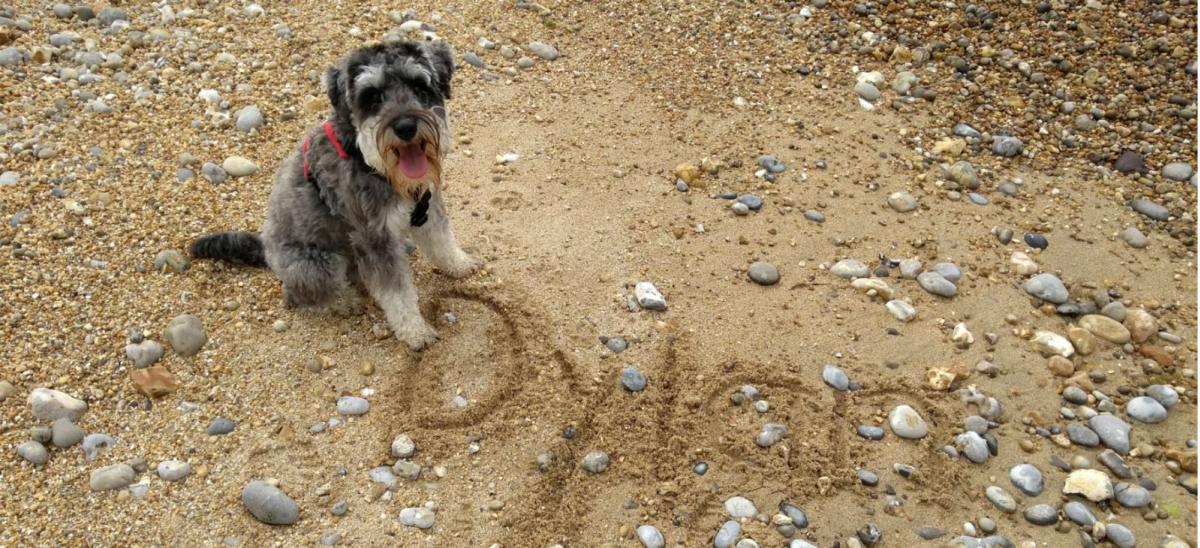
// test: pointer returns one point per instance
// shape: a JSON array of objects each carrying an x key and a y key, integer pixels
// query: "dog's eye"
[{"x": 370, "y": 99}]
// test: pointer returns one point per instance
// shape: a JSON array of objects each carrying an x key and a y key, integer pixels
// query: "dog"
[{"x": 345, "y": 202}]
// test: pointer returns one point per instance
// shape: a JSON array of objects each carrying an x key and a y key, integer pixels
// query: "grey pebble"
[
  {"x": 1119, "y": 535},
  {"x": 543, "y": 50},
  {"x": 220, "y": 426},
  {"x": 973, "y": 446},
  {"x": 595, "y": 462},
  {"x": 1047, "y": 287},
  {"x": 770, "y": 434},
  {"x": 1006, "y": 146},
  {"x": 949, "y": 271},
  {"x": 1113, "y": 432},
  {"x": 64, "y": 433},
  {"x": 1074, "y": 394},
  {"x": 633, "y": 380},
  {"x": 934, "y": 283},
  {"x": 34, "y": 452},
  {"x": 763, "y": 273},
  {"x": 977, "y": 198},
  {"x": 173, "y": 470},
  {"x": 1041, "y": 514},
  {"x": 902, "y": 202},
  {"x": 268, "y": 504},
  {"x": 213, "y": 173},
  {"x": 1001, "y": 499},
  {"x": 868, "y": 478},
  {"x": 835, "y": 377},
  {"x": 145, "y": 353},
  {"x": 1135, "y": 238},
  {"x": 1115, "y": 463},
  {"x": 339, "y": 508},
  {"x": 94, "y": 443},
  {"x": 1150, "y": 209},
  {"x": 186, "y": 335},
  {"x": 727, "y": 534},
  {"x": 850, "y": 268},
  {"x": 1027, "y": 479},
  {"x": 116, "y": 476},
  {"x": 1132, "y": 495},
  {"x": 873, "y": 433},
  {"x": 616, "y": 345},
  {"x": 1079, "y": 513},
  {"x": 1146, "y": 409},
  {"x": 249, "y": 119},
  {"x": 352, "y": 405},
  {"x": 1080, "y": 434},
  {"x": 1177, "y": 171},
  {"x": 975, "y": 423},
  {"x": 814, "y": 216},
  {"x": 753, "y": 202},
  {"x": 1163, "y": 394}
]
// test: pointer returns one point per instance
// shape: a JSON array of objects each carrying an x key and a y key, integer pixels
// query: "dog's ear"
[
  {"x": 442, "y": 59},
  {"x": 334, "y": 78}
]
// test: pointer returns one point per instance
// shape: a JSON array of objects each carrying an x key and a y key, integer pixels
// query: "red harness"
[{"x": 337, "y": 146}]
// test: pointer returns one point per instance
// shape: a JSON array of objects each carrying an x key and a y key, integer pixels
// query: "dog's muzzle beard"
[{"x": 413, "y": 164}]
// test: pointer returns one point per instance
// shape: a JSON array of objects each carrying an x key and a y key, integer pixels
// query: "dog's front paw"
[
  {"x": 417, "y": 335},
  {"x": 463, "y": 266}
]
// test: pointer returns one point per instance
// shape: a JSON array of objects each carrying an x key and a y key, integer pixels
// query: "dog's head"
[{"x": 394, "y": 96}]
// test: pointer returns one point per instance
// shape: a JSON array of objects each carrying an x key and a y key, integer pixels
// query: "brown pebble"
[{"x": 1060, "y": 366}]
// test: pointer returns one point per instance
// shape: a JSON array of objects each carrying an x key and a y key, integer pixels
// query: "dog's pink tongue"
[{"x": 412, "y": 161}]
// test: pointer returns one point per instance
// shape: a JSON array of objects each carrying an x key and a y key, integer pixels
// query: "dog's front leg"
[
  {"x": 436, "y": 241},
  {"x": 388, "y": 278}
]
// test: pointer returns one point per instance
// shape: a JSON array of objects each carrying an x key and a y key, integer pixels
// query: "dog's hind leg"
[
  {"x": 312, "y": 277},
  {"x": 384, "y": 270},
  {"x": 435, "y": 240}
]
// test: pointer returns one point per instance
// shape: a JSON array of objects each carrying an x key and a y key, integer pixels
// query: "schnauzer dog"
[{"x": 347, "y": 199}]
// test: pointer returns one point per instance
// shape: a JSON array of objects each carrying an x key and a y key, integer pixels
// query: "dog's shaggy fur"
[{"x": 349, "y": 219}]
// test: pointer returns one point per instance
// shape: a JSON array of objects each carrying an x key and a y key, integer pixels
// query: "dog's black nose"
[{"x": 405, "y": 127}]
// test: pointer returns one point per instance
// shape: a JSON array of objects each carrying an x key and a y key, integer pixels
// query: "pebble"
[
  {"x": 403, "y": 447},
  {"x": 648, "y": 296},
  {"x": 268, "y": 504},
  {"x": 977, "y": 199},
  {"x": 1052, "y": 344},
  {"x": 1163, "y": 394},
  {"x": 238, "y": 166},
  {"x": 740, "y": 507},
  {"x": 1141, "y": 324},
  {"x": 220, "y": 426},
  {"x": 1135, "y": 238},
  {"x": 633, "y": 380},
  {"x": 934, "y": 283},
  {"x": 473, "y": 59},
  {"x": 1041, "y": 514},
  {"x": 410, "y": 470},
  {"x": 64, "y": 433},
  {"x": 1093, "y": 485},
  {"x": 1130, "y": 162},
  {"x": 814, "y": 216},
  {"x": 867, "y": 91},
  {"x": 50, "y": 405},
  {"x": 173, "y": 470},
  {"x": 1006, "y": 146},
  {"x": 1047, "y": 287},
  {"x": 248, "y": 119},
  {"x": 94, "y": 443},
  {"x": 1119, "y": 535},
  {"x": 949, "y": 271},
  {"x": 1079, "y": 513},
  {"x": 850, "y": 268},
  {"x": 751, "y": 201},
  {"x": 1115, "y": 463},
  {"x": 902, "y": 202},
  {"x": 525, "y": 62},
  {"x": 650, "y": 536},
  {"x": 417, "y": 516},
  {"x": 973, "y": 446},
  {"x": 770, "y": 434},
  {"x": 873, "y": 433},
  {"x": 1146, "y": 409},
  {"x": 700, "y": 468},
  {"x": 213, "y": 173},
  {"x": 1131, "y": 495},
  {"x": 543, "y": 50},
  {"x": 763, "y": 273},
  {"x": 868, "y": 478},
  {"x": 1001, "y": 499},
  {"x": 1150, "y": 209},
  {"x": 835, "y": 377},
  {"x": 1035, "y": 240},
  {"x": 7, "y": 390},
  {"x": 910, "y": 268},
  {"x": 34, "y": 452},
  {"x": 116, "y": 476},
  {"x": 1027, "y": 479},
  {"x": 906, "y": 423},
  {"x": 1177, "y": 171},
  {"x": 727, "y": 534},
  {"x": 595, "y": 462},
  {"x": 10, "y": 56},
  {"x": 9, "y": 178},
  {"x": 145, "y": 353},
  {"x": 185, "y": 333},
  {"x": 616, "y": 345},
  {"x": 1080, "y": 434},
  {"x": 352, "y": 405},
  {"x": 740, "y": 209},
  {"x": 901, "y": 310}
]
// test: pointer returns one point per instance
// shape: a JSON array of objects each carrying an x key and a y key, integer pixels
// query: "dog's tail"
[{"x": 236, "y": 247}]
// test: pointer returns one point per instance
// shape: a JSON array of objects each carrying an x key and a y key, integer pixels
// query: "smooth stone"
[
  {"x": 34, "y": 452},
  {"x": 1150, "y": 209},
  {"x": 116, "y": 476},
  {"x": 64, "y": 433},
  {"x": 934, "y": 283},
  {"x": 248, "y": 119},
  {"x": 1163, "y": 394},
  {"x": 145, "y": 353},
  {"x": 648, "y": 296},
  {"x": 1132, "y": 495},
  {"x": 408, "y": 470},
  {"x": 901, "y": 310},
  {"x": 814, "y": 216},
  {"x": 1001, "y": 499},
  {"x": 867, "y": 91},
  {"x": 94, "y": 443},
  {"x": 1141, "y": 324},
  {"x": 763, "y": 273},
  {"x": 173, "y": 470},
  {"x": 213, "y": 173},
  {"x": 1080, "y": 434},
  {"x": 1027, "y": 479},
  {"x": 473, "y": 59},
  {"x": 1093, "y": 485},
  {"x": 1041, "y": 514},
  {"x": 616, "y": 345},
  {"x": 1135, "y": 238},
  {"x": 740, "y": 209},
  {"x": 1106, "y": 328},
  {"x": 1006, "y": 146},
  {"x": 868, "y": 478},
  {"x": 835, "y": 377},
  {"x": 1113, "y": 432},
  {"x": 543, "y": 50},
  {"x": 650, "y": 536},
  {"x": 753, "y": 202},
  {"x": 850, "y": 268},
  {"x": 237, "y": 166},
  {"x": 910, "y": 268},
  {"x": 1035, "y": 240},
  {"x": 403, "y": 447},
  {"x": 1052, "y": 344},
  {"x": 949, "y": 271},
  {"x": 417, "y": 516},
  {"x": 906, "y": 423},
  {"x": 727, "y": 534},
  {"x": 352, "y": 405},
  {"x": 269, "y": 504},
  {"x": 770, "y": 434},
  {"x": 973, "y": 446},
  {"x": 976, "y": 424},
  {"x": 1177, "y": 171},
  {"x": 977, "y": 198},
  {"x": 1047, "y": 287},
  {"x": 930, "y": 533},
  {"x": 50, "y": 405},
  {"x": 633, "y": 380},
  {"x": 965, "y": 130},
  {"x": 873, "y": 433},
  {"x": 1115, "y": 463},
  {"x": 1119, "y": 535},
  {"x": 902, "y": 202},
  {"x": 1115, "y": 310},
  {"x": 740, "y": 507},
  {"x": 220, "y": 426},
  {"x": 1079, "y": 513},
  {"x": 185, "y": 333},
  {"x": 1146, "y": 409},
  {"x": 595, "y": 462},
  {"x": 794, "y": 513},
  {"x": 963, "y": 173}
]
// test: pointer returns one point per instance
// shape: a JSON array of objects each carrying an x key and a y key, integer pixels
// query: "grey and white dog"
[{"x": 344, "y": 203}]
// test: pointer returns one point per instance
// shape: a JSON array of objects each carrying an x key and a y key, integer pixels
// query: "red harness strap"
[{"x": 337, "y": 146}]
